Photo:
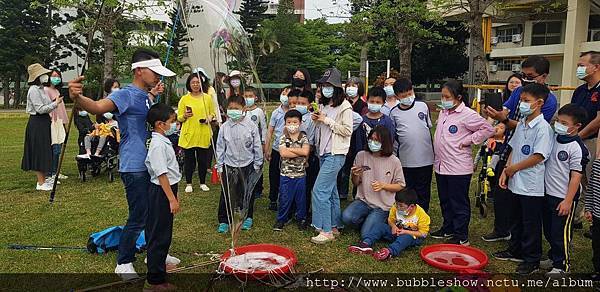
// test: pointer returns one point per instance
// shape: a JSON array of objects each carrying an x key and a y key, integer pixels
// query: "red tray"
[
  {"x": 260, "y": 274},
  {"x": 455, "y": 258}
]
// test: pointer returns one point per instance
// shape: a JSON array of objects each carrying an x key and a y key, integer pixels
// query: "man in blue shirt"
[{"x": 130, "y": 106}]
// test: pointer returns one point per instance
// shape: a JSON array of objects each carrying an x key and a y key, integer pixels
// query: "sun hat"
[{"x": 36, "y": 70}]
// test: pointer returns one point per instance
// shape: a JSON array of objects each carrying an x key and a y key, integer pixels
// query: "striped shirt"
[{"x": 592, "y": 200}]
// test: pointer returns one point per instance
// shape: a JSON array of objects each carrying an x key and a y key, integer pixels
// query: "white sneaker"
[
  {"x": 204, "y": 188},
  {"x": 43, "y": 187},
  {"x": 50, "y": 180},
  {"x": 126, "y": 271},
  {"x": 189, "y": 189},
  {"x": 322, "y": 238},
  {"x": 62, "y": 176},
  {"x": 83, "y": 156},
  {"x": 171, "y": 260},
  {"x": 556, "y": 273}
]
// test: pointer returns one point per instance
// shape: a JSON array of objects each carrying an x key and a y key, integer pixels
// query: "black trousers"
[
  {"x": 159, "y": 232},
  {"x": 419, "y": 178},
  {"x": 453, "y": 191},
  {"x": 196, "y": 156},
  {"x": 236, "y": 181},
  {"x": 526, "y": 232},
  {"x": 274, "y": 173},
  {"x": 343, "y": 178},
  {"x": 596, "y": 243},
  {"x": 557, "y": 230},
  {"x": 312, "y": 171},
  {"x": 503, "y": 200},
  {"x": 259, "y": 188}
]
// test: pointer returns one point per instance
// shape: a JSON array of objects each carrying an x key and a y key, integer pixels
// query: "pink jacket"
[
  {"x": 61, "y": 111},
  {"x": 455, "y": 127}
]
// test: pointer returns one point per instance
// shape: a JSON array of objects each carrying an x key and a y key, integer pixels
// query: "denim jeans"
[
  {"x": 399, "y": 243},
  {"x": 55, "y": 157},
  {"x": 136, "y": 189},
  {"x": 361, "y": 216},
  {"x": 326, "y": 212}
]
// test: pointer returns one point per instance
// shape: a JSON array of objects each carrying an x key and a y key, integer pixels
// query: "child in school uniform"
[
  {"x": 294, "y": 150},
  {"x": 524, "y": 176},
  {"x": 373, "y": 118},
  {"x": 257, "y": 115},
  {"x": 458, "y": 128},
  {"x": 162, "y": 196},
  {"x": 413, "y": 144},
  {"x": 307, "y": 126},
  {"x": 564, "y": 170},
  {"x": 275, "y": 130},
  {"x": 239, "y": 162},
  {"x": 407, "y": 225}
]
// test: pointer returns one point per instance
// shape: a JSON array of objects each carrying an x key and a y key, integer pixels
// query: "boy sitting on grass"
[{"x": 407, "y": 226}]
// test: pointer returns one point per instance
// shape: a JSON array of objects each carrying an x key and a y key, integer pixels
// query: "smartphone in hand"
[{"x": 188, "y": 109}]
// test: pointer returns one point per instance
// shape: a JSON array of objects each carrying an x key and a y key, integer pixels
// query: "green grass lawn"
[{"x": 83, "y": 208}]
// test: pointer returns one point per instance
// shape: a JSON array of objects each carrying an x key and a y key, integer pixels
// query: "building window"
[
  {"x": 505, "y": 64},
  {"x": 505, "y": 33},
  {"x": 546, "y": 33}
]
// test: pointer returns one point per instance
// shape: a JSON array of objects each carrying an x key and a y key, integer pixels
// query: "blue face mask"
[
  {"x": 83, "y": 113},
  {"x": 407, "y": 100},
  {"x": 447, "y": 104},
  {"x": 283, "y": 99},
  {"x": 302, "y": 109},
  {"x": 374, "y": 108},
  {"x": 375, "y": 146},
  {"x": 561, "y": 129},
  {"x": 389, "y": 90},
  {"x": 581, "y": 72},
  {"x": 55, "y": 80},
  {"x": 525, "y": 109},
  {"x": 171, "y": 130},
  {"x": 234, "y": 114},
  {"x": 249, "y": 101},
  {"x": 327, "y": 91},
  {"x": 352, "y": 91},
  {"x": 108, "y": 116}
]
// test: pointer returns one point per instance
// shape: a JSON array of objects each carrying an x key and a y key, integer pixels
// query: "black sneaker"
[
  {"x": 278, "y": 226},
  {"x": 273, "y": 206},
  {"x": 506, "y": 255},
  {"x": 456, "y": 240},
  {"x": 527, "y": 268},
  {"x": 440, "y": 234},
  {"x": 302, "y": 224},
  {"x": 492, "y": 237}
]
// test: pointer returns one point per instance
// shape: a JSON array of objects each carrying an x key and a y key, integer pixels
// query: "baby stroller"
[{"x": 108, "y": 159}]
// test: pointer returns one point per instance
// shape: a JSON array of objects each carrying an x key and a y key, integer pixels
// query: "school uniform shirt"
[
  {"x": 413, "y": 143},
  {"x": 278, "y": 123},
  {"x": 386, "y": 109},
  {"x": 161, "y": 160},
  {"x": 238, "y": 145},
  {"x": 568, "y": 154},
  {"x": 308, "y": 127},
  {"x": 193, "y": 133},
  {"x": 548, "y": 109},
  {"x": 417, "y": 221},
  {"x": 455, "y": 127},
  {"x": 132, "y": 105},
  {"x": 528, "y": 139},
  {"x": 383, "y": 169},
  {"x": 293, "y": 167},
  {"x": 257, "y": 115},
  {"x": 363, "y": 130},
  {"x": 588, "y": 98}
]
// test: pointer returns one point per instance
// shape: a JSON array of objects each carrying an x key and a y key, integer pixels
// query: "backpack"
[{"x": 108, "y": 239}]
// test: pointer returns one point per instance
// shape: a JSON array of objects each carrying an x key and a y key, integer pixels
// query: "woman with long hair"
[
  {"x": 59, "y": 119},
  {"x": 513, "y": 82},
  {"x": 301, "y": 80}
]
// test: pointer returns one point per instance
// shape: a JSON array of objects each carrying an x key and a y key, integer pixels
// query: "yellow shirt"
[
  {"x": 194, "y": 133},
  {"x": 417, "y": 221}
]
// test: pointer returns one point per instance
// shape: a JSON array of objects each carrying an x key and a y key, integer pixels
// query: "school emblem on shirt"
[
  {"x": 248, "y": 144},
  {"x": 594, "y": 97},
  {"x": 526, "y": 149},
  {"x": 563, "y": 155},
  {"x": 422, "y": 115},
  {"x": 254, "y": 118},
  {"x": 453, "y": 129}
]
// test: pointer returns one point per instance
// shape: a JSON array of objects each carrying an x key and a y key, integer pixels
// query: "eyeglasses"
[{"x": 529, "y": 77}]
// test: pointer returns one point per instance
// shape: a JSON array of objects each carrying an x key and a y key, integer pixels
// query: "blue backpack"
[{"x": 108, "y": 239}]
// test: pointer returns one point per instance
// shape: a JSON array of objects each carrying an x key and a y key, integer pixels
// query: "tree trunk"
[
  {"x": 109, "y": 53},
  {"x": 18, "y": 89},
  {"x": 405, "y": 46},
  {"x": 480, "y": 75},
  {"x": 364, "y": 57},
  {"x": 6, "y": 91}
]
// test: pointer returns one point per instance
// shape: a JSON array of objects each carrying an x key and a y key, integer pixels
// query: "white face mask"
[
  {"x": 292, "y": 129},
  {"x": 114, "y": 90},
  {"x": 44, "y": 78}
]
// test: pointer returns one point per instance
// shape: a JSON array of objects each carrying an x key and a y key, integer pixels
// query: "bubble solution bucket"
[
  {"x": 258, "y": 261},
  {"x": 455, "y": 258}
]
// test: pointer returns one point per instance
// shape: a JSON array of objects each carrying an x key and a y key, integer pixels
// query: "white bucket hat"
[{"x": 155, "y": 65}]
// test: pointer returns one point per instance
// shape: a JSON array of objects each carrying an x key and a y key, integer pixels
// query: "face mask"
[
  {"x": 561, "y": 129},
  {"x": 447, "y": 104},
  {"x": 302, "y": 109},
  {"x": 403, "y": 212},
  {"x": 236, "y": 83},
  {"x": 327, "y": 91},
  {"x": 83, "y": 113},
  {"x": 234, "y": 114},
  {"x": 528, "y": 81},
  {"x": 525, "y": 109},
  {"x": 114, "y": 90},
  {"x": 55, "y": 80},
  {"x": 374, "y": 108},
  {"x": 581, "y": 72},
  {"x": 375, "y": 146},
  {"x": 407, "y": 100},
  {"x": 389, "y": 90},
  {"x": 297, "y": 82},
  {"x": 44, "y": 79},
  {"x": 292, "y": 129},
  {"x": 108, "y": 116},
  {"x": 283, "y": 99},
  {"x": 249, "y": 101},
  {"x": 171, "y": 130},
  {"x": 352, "y": 91}
]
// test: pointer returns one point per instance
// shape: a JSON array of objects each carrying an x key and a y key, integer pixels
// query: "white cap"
[
  {"x": 235, "y": 73},
  {"x": 155, "y": 65}
]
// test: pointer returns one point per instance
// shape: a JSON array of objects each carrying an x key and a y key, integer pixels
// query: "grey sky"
[{"x": 335, "y": 10}]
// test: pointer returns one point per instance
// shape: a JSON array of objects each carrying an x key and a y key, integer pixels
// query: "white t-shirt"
[
  {"x": 413, "y": 144},
  {"x": 568, "y": 154}
]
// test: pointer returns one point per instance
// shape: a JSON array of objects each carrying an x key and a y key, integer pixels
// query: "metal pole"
[
  {"x": 367, "y": 77},
  {"x": 387, "y": 69}
]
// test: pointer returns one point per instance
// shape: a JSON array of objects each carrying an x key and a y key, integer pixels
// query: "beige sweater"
[{"x": 341, "y": 127}]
